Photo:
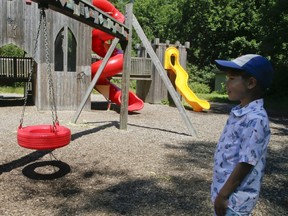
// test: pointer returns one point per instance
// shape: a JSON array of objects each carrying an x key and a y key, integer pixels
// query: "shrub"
[
  {"x": 223, "y": 90},
  {"x": 200, "y": 75},
  {"x": 11, "y": 50},
  {"x": 200, "y": 88}
]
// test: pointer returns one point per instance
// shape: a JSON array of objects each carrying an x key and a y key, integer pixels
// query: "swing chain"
[
  {"x": 50, "y": 79},
  {"x": 49, "y": 70},
  {"x": 31, "y": 71}
]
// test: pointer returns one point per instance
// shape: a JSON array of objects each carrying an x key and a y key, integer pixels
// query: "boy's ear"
[{"x": 251, "y": 83}]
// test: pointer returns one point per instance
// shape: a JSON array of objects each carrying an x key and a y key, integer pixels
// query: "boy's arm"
[{"x": 234, "y": 180}]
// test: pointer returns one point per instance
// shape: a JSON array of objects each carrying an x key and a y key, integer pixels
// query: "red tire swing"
[{"x": 43, "y": 137}]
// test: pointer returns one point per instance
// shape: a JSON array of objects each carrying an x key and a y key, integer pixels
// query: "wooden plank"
[
  {"x": 96, "y": 17},
  {"x": 126, "y": 71},
  {"x": 163, "y": 75},
  {"x": 141, "y": 69},
  {"x": 95, "y": 79}
]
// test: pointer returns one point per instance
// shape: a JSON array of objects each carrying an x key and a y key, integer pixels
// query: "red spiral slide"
[{"x": 115, "y": 63}]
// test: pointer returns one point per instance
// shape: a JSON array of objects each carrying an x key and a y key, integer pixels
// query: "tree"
[
  {"x": 220, "y": 30},
  {"x": 274, "y": 40}
]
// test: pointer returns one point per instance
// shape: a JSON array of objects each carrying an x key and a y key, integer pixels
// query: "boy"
[{"x": 240, "y": 154}]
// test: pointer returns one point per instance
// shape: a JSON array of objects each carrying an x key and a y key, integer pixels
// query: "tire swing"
[{"x": 43, "y": 137}]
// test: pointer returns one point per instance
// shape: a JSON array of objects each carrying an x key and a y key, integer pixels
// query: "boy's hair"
[
  {"x": 251, "y": 65},
  {"x": 243, "y": 74}
]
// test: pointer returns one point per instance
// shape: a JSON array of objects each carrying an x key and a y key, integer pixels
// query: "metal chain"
[
  {"x": 31, "y": 71},
  {"x": 50, "y": 78}
]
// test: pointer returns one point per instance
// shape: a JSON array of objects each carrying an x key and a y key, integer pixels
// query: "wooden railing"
[
  {"x": 15, "y": 68},
  {"x": 141, "y": 68}
]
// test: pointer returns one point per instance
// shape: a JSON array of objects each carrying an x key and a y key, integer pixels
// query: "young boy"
[{"x": 240, "y": 154}]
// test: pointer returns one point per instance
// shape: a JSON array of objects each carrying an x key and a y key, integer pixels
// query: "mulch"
[{"x": 152, "y": 168}]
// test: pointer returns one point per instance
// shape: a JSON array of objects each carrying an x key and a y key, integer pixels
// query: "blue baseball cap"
[{"x": 254, "y": 65}]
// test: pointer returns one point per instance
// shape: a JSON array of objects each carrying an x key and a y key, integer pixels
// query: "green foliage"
[
  {"x": 223, "y": 90},
  {"x": 132, "y": 84},
  {"x": 165, "y": 102},
  {"x": 199, "y": 75},
  {"x": 11, "y": 50},
  {"x": 158, "y": 18},
  {"x": 217, "y": 29},
  {"x": 221, "y": 30},
  {"x": 274, "y": 41},
  {"x": 199, "y": 88}
]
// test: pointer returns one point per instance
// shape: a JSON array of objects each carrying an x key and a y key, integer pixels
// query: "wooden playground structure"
[{"x": 72, "y": 83}]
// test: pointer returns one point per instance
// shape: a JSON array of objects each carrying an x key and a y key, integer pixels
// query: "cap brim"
[{"x": 224, "y": 65}]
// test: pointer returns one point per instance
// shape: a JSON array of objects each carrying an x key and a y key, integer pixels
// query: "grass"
[
  {"x": 11, "y": 89},
  {"x": 214, "y": 97}
]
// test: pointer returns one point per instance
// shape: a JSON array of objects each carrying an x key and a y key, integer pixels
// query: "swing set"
[{"x": 50, "y": 137}]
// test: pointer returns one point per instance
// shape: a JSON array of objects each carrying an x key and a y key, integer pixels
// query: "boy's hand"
[
  {"x": 220, "y": 205},
  {"x": 234, "y": 180}
]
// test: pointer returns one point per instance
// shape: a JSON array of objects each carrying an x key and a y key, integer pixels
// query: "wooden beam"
[
  {"x": 126, "y": 71},
  {"x": 95, "y": 79},
  {"x": 163, "y": 74},
  {"x": 89, "y": 14}
]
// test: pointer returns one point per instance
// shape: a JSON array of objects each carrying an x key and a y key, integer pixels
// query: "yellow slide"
[{"x": 181, "y": 81}]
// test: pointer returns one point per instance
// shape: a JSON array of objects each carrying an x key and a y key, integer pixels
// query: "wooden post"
[
  {"x": 126, "y": 70},
  {"x": 163, "y": 75},
  {"x": 15, "y": 67}
]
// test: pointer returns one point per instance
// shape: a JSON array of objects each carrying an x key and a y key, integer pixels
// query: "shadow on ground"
[
  {"x": 164, "y": 193},
  {"x": 175, "y": 190},
  {"x": 23, "y": 161},
  {"x": 54, "y": 169},
  {"x": 180, "y": 187},
  {"x": 275, "y": 183}
]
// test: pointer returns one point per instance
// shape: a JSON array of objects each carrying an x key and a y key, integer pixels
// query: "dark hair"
[{"x": 241, "y": 73}]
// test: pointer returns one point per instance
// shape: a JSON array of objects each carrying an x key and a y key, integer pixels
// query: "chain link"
[
  {"x": 52, "y": 100},
  {"x": 31, "y": 72}
]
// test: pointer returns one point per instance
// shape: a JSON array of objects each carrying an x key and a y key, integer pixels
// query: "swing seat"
[{"x": 43, "y": 137}]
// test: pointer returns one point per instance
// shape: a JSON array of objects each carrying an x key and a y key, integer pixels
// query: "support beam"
[
  {"x": 126, "y": 71},
  {"x": 95, "y": 79},
  {"x": 89, "y": 14},
  {"x": 163, "y": 74}
]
